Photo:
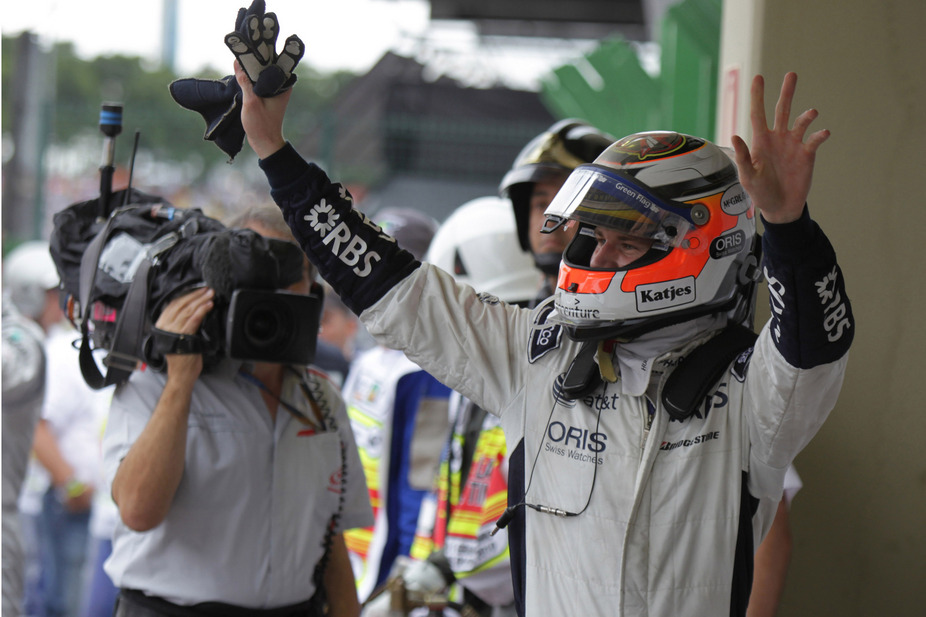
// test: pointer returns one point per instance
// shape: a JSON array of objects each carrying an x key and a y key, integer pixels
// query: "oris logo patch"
[
  {"x": 575, "y": 442},
  {"x": 735, "y": 200},
  {"x": 728, "y": 244},
  {"x": 665, "y": 295}
]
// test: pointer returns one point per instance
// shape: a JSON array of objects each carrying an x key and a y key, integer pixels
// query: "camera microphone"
[
  {"x": 111, "y": 120},
  {"x": 216, "y": 268},
  {"x": 110, "y": 126}
]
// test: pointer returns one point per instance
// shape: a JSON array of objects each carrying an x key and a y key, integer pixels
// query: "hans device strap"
[
  {"x": 689, "y": 383},
  {"x": 583, "y": 375}
]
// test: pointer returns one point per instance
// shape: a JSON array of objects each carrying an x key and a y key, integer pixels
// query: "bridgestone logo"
[
  {"x": 687, "y": 443},
  {"x": 664, "y": 295}
]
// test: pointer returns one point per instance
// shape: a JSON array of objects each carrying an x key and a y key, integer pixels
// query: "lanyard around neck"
[{"x": 293, "y": 411}]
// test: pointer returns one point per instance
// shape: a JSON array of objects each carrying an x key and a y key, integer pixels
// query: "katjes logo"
[{"x": 659, "y": 296}]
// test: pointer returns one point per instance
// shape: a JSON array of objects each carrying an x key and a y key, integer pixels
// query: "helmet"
[
  {"x": 412, "y": 229},
  {"x": 28, "y": 272},
  {"x": 549, "y": 156},
  {"x": 477, "y": 244},
  {"x": 682, "y": 195}
]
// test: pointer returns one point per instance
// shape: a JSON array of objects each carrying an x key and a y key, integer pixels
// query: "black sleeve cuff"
[
  {"x": 283, "y": 167},
  {"x": 790, "y": 240},
  {"x": 811, "y": 317}
]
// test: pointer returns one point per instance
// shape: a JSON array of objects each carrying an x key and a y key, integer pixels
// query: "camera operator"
[{"x": 233, "y": 484}]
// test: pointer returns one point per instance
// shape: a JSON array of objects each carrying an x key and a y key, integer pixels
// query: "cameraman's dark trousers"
[{"x": 132, "y": 603}]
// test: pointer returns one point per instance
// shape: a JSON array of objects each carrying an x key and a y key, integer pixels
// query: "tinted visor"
[{"x": 599, "y": 196}]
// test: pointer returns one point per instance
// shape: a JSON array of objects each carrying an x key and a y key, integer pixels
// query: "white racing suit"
[{"x": 663, "y": 514}]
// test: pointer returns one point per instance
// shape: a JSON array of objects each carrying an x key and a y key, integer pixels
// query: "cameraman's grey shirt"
[{"x": 248, "y": 520}]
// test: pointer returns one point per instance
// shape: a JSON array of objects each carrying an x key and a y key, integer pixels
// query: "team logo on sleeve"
[
  {"x": 740, "y": 365},
  {"x": 322, "y": 218},
  {"x": 487, "y": 298},
  {"x": 343, "y": 192},
  {"x": 543, "y": 339},
  {"x": 348, "y": 246},
  {"x": 835, "y": 320}
]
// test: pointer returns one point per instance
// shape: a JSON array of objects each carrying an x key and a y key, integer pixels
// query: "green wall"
[{"x": 610, "y": 88}]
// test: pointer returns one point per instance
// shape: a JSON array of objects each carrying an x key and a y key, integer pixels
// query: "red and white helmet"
[{"x": 683, "y": 194}]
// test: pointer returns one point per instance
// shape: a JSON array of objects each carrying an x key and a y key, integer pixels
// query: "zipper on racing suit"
[{"x": 647, "y": 421}]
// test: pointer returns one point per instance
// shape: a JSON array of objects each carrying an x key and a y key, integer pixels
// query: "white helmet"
[
  {"x": 28, "y": 272},
  {"x": 478, "y": 245}
]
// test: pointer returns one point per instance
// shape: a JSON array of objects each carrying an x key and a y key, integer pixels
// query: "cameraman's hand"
[{"x": 184, "y": 315}]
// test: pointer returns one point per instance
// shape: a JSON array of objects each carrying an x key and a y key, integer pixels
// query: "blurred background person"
[
  {"x": 23, "y": 391},
  {"x": 399, "y": 416},
  {"x": 336, "y": 337},
  {"x": 62, "y": 476},
  {"x": 99, "y": 592},
  {"x": 455, "y": 551},
  {"x": 538, "y": 172}
]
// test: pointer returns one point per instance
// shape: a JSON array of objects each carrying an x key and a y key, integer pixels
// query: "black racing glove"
[
  {"x": 219, "y": 103},
  {"x": 254, "y": 44}
]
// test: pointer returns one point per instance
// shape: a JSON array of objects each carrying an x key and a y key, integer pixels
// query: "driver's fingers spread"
[
  {"x": 743, "y": 157},
  {"x": 757, "y": 106},
  {"x": 783, "y": 107},
  {"x": 803, "y": 122},
  {"x": 816, "y": 139}
]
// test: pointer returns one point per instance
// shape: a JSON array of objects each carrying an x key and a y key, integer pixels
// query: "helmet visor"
[{"x": 598, "y": 196}]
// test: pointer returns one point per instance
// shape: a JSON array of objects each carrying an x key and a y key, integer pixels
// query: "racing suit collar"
[{"x": 636, "y": 358}]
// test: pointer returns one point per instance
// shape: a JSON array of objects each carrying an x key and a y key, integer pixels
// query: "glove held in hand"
[
  {"x": 219, "y": 103},
  {"x": 254, "y": 44}
]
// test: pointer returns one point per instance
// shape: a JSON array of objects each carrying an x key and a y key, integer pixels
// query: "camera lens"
[{"x": 265, "y": 325}]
